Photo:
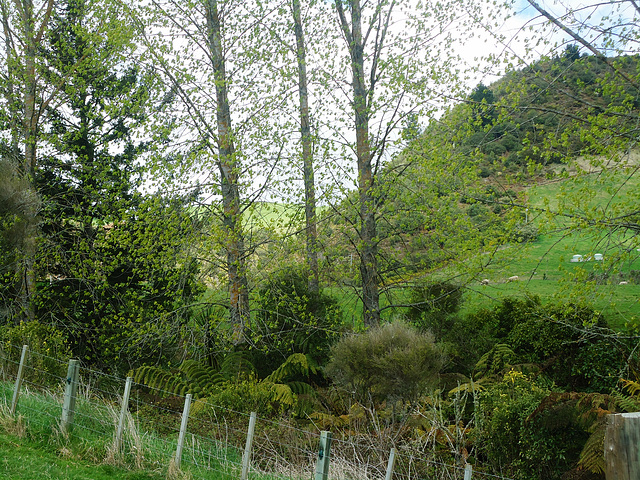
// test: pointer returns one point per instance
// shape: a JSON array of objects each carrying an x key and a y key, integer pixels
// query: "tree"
[
  {"x": 231, "y": 139},
  {"x": 113, "y": 259},
  {"x": 27, "y": 68},
  {"x": 24, "y": 26},
  {"x": 307, "y": 152},
  {"x": 385, "y": 45}
]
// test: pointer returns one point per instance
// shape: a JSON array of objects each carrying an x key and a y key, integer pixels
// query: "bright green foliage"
[
  {"x": 502, "y": 418},
  {"x": 48, "y": 345},
  {"x": 116, "y": 291},
  {"x": 562, "y": 341},
  {"x": 531, "y": 433},
  {"x": 292, "y": 319},
  {"x": 391, "y": 362},
  {"x": 110, "y": 262}
]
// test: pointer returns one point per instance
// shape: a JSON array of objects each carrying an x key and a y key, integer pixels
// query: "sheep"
[
  {"x": 485, "y": 282},
  {"x": 515, "y": 278},
  {"x": 623, "y": 283}
]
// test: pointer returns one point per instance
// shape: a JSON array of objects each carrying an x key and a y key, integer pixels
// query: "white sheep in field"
[
  {"x": 485, "y": 282},
  {"x": 515, "y": 278},
  {"x": 623, "y": 283}
]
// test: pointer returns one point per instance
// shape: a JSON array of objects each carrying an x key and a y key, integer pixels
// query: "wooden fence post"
[
  {"x": 390, "y": 464},
  {"x": 123, "y": 413},
  {"x": 183, "y": 431},
  {"x": 622, "y": 446},
  {"x": 18, "y": 385},
  {"x": 70, "y": 393},
  {"x": 322, "y": 466},
  {"x": 246, "y": 456}
]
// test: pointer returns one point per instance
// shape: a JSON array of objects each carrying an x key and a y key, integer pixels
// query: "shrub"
[
  {"x": 433, "y": 306},
  {"x": 292, "y": 319},
  {"x": 47, "y": 348},
  {"x": 390, "y": 362},
  {"x": 563, "y": 340},
  {"x": 528, "y": 432}
]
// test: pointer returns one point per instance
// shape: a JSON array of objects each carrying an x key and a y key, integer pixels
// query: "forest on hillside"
[{"x": 245, "y": 198}]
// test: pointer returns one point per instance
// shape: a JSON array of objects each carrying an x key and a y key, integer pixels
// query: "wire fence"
[{"x": 214, "y": 440}]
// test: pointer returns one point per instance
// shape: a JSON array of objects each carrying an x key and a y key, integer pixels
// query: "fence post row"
[
  {"x": 70, "y": 393},
  {"x": 621, "y": 441},
  {"x": 246, "y": 456},
  {"x": 123, "y": 413},
  {"x": 322, "y": 467},
  {"x": 183, "y": 430},
  {"x": 18, "y": 385}
]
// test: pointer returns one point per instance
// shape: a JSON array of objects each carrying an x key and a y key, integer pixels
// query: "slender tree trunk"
[
  {"x": 368, "y": 228},
  {"x": 30, "y": 150},
  {"x": 30, "y": 121},
  {"x": 307, "y": 153},
  {"x": 236, "y": 260}
]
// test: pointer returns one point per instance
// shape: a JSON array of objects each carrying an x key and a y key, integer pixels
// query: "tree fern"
[
  {"x": 591, "y": 456},
  {"x": 297, "y": 365},
  {"x": 236, "y": 365},
  {"x": 495, "y": 361}
]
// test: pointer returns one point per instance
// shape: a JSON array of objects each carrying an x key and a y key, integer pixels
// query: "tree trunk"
[
  {"x": 231, "y": 212},
  {"x": 307, "y": 153},
  {"x": 30, "y": 134},
  {"x": 368, "y": 229}
]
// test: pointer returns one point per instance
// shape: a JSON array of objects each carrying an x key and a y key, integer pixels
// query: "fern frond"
[
  {"x": 630, "y": 386},
  {"x": 297, "y": 365},
  {"x": 592, "y": 455},
  {"x": 283, "y": 395},
  {"x": 626, "y": 403},
  {"x": 301, "y": 388},
  {"x": 234, "y": 365},
  {"x": 495, "y": 360}
]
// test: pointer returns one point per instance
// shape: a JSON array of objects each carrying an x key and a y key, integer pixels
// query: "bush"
[
  {"x": 48, "y": 350},
  {"x": 292, "y": 319},
  {"x": 562, "y": 340},
  {"x": 391, "y": 362},
  {"x": 514, "y": 444},
  {"x": 433, "y": 306}
]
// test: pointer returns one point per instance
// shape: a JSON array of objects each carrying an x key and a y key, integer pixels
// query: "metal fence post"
[
  {"x": 246, "y": 456},
  {"x": 391, "y": 464},
  {"x": 70, "y": 393},
  {"x": 322, "y": 466},
  {"x": 468, "y": 471},
  {"x": 123, "y": 413},
  {"x": 18, "y": 385},
  {"x": 183, "y": 430}
]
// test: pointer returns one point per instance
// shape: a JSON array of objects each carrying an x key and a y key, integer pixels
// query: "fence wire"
[{"x": 216, "y": 436}]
